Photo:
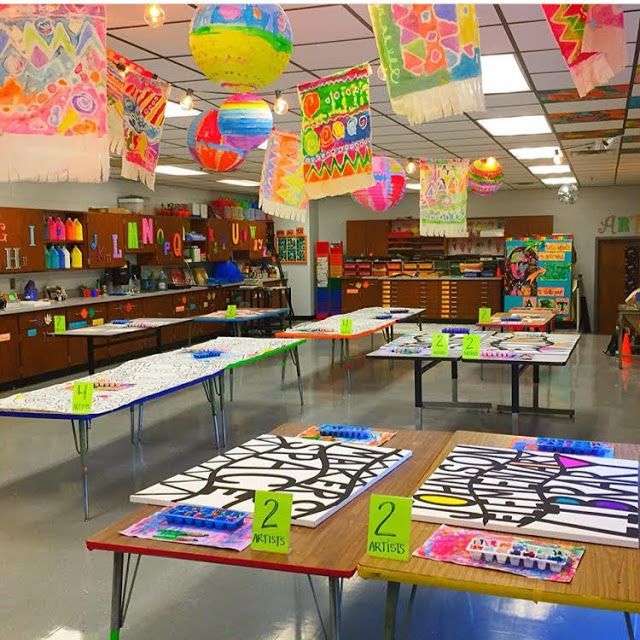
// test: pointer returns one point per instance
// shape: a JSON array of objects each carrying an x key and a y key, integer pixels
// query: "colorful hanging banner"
[
  {"x": 282, "y": 192},
  {"x": 430, "y": 54},
  {"x": 53, "y": 93},
  {"x": 336, "y": 133},
  {"x": 591, "y": 40},
  {"x": 144, "y": 100},
  {"x": 443, "y": 197}
]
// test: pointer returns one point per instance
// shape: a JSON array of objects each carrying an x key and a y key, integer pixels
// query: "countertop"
[{"x": 413, "y": 279}]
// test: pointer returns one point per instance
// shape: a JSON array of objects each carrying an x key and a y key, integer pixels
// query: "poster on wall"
[{"x": 538, "y": 273}]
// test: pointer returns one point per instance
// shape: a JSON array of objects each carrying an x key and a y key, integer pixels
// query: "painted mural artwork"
[
  {"x": 530, "y": 493},
  {"x": 591, "y": 133},
  {"x": 605, "y": 92},
  {"x": 587, "y": 116}
]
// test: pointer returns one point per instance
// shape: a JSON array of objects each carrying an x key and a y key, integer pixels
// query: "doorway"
[{"x": 618, "y": 269}]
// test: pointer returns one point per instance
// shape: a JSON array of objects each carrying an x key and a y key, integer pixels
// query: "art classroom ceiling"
[{"x": 328, "y": 38}]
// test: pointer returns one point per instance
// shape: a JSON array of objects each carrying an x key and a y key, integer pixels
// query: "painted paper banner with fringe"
[
  {"x": 336, "y": 133},
  {"x": 282, "y": 192},
  {"x": 145, "y": 101},
  {"x": 591, "y": 40},
  {"x": 117, "y": 67},
  {"x": 53, "y": 93},
  {"x": 430, "y": 54},
  {"x": 443, "y": 197}
]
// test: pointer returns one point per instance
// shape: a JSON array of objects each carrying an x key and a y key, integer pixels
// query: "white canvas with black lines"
[
  {"x": 534, "y": 346},
  {"x": 322, "y": 476},
  {"x": 534, "y": 493}
]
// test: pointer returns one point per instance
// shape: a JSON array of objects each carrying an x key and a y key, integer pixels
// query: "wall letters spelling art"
[
  {"x": 534, "y": 493},
  {"x": 322, "y": 476}
]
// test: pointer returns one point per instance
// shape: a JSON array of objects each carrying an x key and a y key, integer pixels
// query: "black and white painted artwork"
[
  {"x": 581, "y": 498},
  {"x": 322, "y": 476}
]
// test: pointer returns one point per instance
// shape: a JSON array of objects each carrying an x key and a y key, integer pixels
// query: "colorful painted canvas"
[
  {"x": 591, "y": 40},
  {"x": 336, "y": 133},
  {"x": 591, "y": 133},
  {"x": 430, "y": 54},
  {"x": 449, "y": 544},
  {"x": 282, "y": 192},
  {"x": 443, "y": 197},
  {"x": 572, "y": 117},
  {"x": 53, "y": 93},
  {"x": 156, "y": 527},
  {"x": 530, "y": 346},
  {"x": 322, "y": 476},
  {"x": 145, "y": 100},
  {"x": 419, "y": 344},
  {"x": 534, "y": 493},
  {"x": 377, "y": 437},
  {"x": 605, "y": 92},
  {"x": 292, "y": 249}
]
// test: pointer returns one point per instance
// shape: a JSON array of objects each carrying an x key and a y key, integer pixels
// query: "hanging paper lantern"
[
  {"x": 208, "y": 148},
  {"x": 245, "y": 121},
  {"x": 485, "y": 176},
  {"x": 388, "y": 190},
  {"x": 241, "y": 46}
]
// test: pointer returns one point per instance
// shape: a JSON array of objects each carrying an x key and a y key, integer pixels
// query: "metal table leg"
[
  {"x": 132, "y": 423},
  {"x": 515, "y": 398},
  {"x": 627, "y": 619},
  {"x": 335, "y": 603},
  {"x": 230, "y": 385},
  {"x": 282, "y": 372},
  {"x": 295, "y": 356},
  {"x": 223, "y": 417},
  {"x": 124, "y": 579},
  {"x": 210, "y": 392},
  {"x": 347, "y": 365},
  {"x": 391, "y": 610},
  {"x": 333, "y": 351},
  {"x": 81, "y": 442},
  {"x": 417, "y": 385}
]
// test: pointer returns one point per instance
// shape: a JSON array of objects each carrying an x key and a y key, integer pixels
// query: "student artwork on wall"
[
  {"x": 538, "y": 273},
  {"x": 526, "y": 492},
  {"x": 322, "y": 476},
  {"x": 292, "y": 249}
]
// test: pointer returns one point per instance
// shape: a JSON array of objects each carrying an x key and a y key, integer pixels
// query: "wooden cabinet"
[
  {"x": 257, "y": 239},
  {"x": 240, "y": 235},
  {"x": 21, "y": 240},
  {"x": 218, "y": 240},
  {"x": 358, "y": 294},
  {"x": 105, "y": 240},
  {"x": 461, "y": 299},
  {"x": 85, "y": 316},
  {"x": 140, "y": 234},
  {"x": 120, "y": 310},
  {"x": 515, "y": 226},
  {"x": 10, "y": 345},
  {"x": 367, "y": 238},
  {"x": 40, "y": 352},
  {"x": 169, "y": 234}
]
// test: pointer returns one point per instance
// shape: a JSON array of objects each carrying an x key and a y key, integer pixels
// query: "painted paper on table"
[
  {"x": 145, "y": 100},
  {"x": 156, "y": 527},
  {"x": 53, "y": 93},
  {"x": 591, "y": 40},
  {"x": 449, "y": 544},
  {"x": 376, "y": 439},
  {"x": 430, "y": 54},
  {"x": 443, "y": 197},
  {"x": 282, "y": 191},
  {"x": 336, "y": 133}
]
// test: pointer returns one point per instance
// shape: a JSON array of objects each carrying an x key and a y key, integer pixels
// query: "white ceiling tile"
[
  {"x": 522, "y": 12},
  {"x": 508, "y": 99},
  {"x": 508, "y": 112},
  {"x": 586, "y": 105},
  {"x": 540, "y": 61},
  {"x": 533, "y": 36},
  {"x": 168, "y": 40},
  {"x": 172, "y": 72},
  {"x": 559, "y": 80},
  {"x": 631, "y": 26},
  {"x": 305, "y": 25},
  {"x": 494, "y": 40},
  {"x": 486, "y": 14},
  {"x": 127, "y": 50},
  {"x": 624, "y": 77},
  {"x": 123, "y": 15},
  {"x": 342, "y": 55}
]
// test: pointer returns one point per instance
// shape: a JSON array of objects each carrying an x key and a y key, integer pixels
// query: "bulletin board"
[{"x": 292, "y": 249}]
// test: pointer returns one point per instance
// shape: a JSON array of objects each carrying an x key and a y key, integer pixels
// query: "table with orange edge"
[
  {"x": 533, "y": 319},
  {"x": 607, "y": 577}
]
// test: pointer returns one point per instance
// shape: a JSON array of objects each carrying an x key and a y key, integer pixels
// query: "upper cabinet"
[
  {"x": 105, "y": 240},
  {"x": 515, "y": 226},
  {"x": 168, "y": 233},
  {"x": 21, "y": 240},
  {"x": 368, "y": 238}
]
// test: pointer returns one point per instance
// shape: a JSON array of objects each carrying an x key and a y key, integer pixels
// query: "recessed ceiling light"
[
  {"x": 533, "y": 153},
  {"x": 172, "y": 170},
  {"x": 563, "y": 180},
  {"x": 550, "y": 168},
  {"x": 413, "y": 185},
  {"x": 501, "y": 74},
  {"x": 516, "y": 126},
  {"x": 174, "y": 110},
  {"x": 239, "y": 183}
]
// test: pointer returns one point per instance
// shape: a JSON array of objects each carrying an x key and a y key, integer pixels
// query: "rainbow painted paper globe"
[
  {"x": 207, "y": 146},
  {"x": 388, "y": 190},
  {"x": 245, "y": 121},
  {"x": 241, "y": 46},
  {"x": 485, "y": 176}
]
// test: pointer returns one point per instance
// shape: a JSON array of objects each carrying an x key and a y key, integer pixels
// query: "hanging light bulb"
[
  {"x": 411, "y": 166},
  {"x": 154, "y": 15},
  {"x": 491, "y": 162},
  {"x": 187, "y": 102},
  {"x": 382, "y": 73},
  {"x": 280, "y": 106},
  {"x": 557, "y": 157}
]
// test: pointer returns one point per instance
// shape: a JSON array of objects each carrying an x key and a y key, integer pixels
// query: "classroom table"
[
  {"x": 119, "y": 333},
  {"x": 155, "y": 376},
  {"x": 530, "y": 319},
  {"x": 607, "y": 577},
  {"x": 628, "y": 318},
  {"x": 243, "y": 315},
  {"x": 331, "y": 550}
]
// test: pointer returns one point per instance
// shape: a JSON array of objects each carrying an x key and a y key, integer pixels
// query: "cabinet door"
[
  {"x": 160, "y": 307},
  {"x": 140, "y": 234},
  {"x": 127, "y": 309},
  {"x": 169, "y": 245},
  {"x": 515, "y": 226},
  {"x": 10, "y": 344},
  {"x": 377, "y": 238},
  {"x": 257, "y": 238},
  {"x": 105, "y": 240},
  {"x": 85, "y": 316},
  {"x": 352, "y": 296},
  {"x": 218, "y": 240},
  {"x": 21, "y": 240},
  {"x": 432, "y": 299},
  {"x": 240, "y": 235},
  {"x": 357, "y": 238},
  {"x": 39, "y": 352}
]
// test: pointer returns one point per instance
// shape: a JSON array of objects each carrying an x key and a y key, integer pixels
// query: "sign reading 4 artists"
[
  {"x": 389, "y": 527},
  {"x": 271, "y": 529}
]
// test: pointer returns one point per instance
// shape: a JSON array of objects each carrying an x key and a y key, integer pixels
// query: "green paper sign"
[
  {"x": 82, "y": 399},
  {"x": 59, "y": 324},
  {"x": 389, "y": 527},
  {"x": 271, "y": 529},
  {"x": 484, "y": 314},
  {"x": 231, "y": 311},
  {"x": 440, "y": 345},
  {"x": 346, "y": 325},
  {"x": 471, "y": 345}
]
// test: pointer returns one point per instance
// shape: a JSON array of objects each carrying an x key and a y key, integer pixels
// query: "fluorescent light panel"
[
  {"x": 171, "y": 170},
  {"x": 263, "y": 145},
  {"x": 174, "y": 110},
  {"x": 533, "y": 153},
  {"x": 413, "y": 185},
  {"x": 562, "y": 180},
  {"x": 550, "y": 168},
  {"x": 516, "y": 126},
  {"x": 501, "y": 74},
  {"x": 239, "y": 183}
]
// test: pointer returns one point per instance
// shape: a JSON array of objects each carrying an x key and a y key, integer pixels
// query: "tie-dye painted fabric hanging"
[
  {"x": 53, "y": 93},
  {"x": 443, "y": 197},
  {"x": 282, "y": 192},
  {"x": 430, "y": 54},
  {"x": 117, "y": 67},
  {"x": 591, "y": 40},
  {"x": 145, "y": 100},
  {"x": 336, "y": 133}
]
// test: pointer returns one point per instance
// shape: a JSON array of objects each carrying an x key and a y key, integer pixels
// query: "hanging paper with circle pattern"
[
  {"x": 388, "y": 190},
  {"x": 208, "y": 148},
  {"x": 430, "y": 54},
  {"x": 336, "y": 133},
  {"x": 53, "y": 93}
]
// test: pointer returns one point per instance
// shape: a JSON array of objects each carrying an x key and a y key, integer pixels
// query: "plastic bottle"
[
  {"x": 60, "y": 260},
  {"x": 70, "y": 230},
  {"x": 76, "y": 258},
  {"x": 162, "y": 281},
  {"x": 51, "y": 229},
  {"x": 61, "y": 230},
  {"x": 78, "y": 232},
  {"x": 47, "y": 258}
]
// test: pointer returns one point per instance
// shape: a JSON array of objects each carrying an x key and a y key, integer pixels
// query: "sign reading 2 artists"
[
  {"x": 389, "y": 527},
  {"x": 271, "y": 529}
]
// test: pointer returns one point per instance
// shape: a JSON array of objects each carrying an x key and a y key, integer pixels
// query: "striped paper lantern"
[
  {"x": 388, "y": 190},
  {"x": 485, "y": 176},
  {"x": 208, "y": 148},
  {"x": 245, "y": 121}
]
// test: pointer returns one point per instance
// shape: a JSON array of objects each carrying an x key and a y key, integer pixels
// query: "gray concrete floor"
[{"x": 51, "y": 586}]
